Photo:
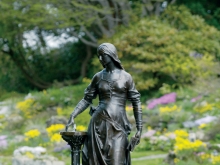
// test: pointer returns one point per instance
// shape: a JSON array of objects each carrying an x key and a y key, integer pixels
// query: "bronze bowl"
[{"x": 75, "y": 140}]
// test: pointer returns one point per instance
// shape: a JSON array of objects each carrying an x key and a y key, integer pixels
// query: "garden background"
[{"x": 48, "y": 57}]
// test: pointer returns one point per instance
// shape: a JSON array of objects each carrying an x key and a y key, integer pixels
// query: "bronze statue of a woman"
[{"x": 109, "y": 127}]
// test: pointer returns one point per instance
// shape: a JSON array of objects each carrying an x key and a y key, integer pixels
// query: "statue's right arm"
[{"x": 90, "y": 94}]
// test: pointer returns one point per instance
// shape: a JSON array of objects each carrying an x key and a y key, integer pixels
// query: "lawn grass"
[
  {"x": 148, "y": 162},
  {"x": 5, "y": 160},
  {"x": 138, "y": 154},
  {"x": 158, "y": 161}
]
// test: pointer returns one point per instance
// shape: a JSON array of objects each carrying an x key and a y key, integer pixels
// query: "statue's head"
[{"x": 110, "y": 50}]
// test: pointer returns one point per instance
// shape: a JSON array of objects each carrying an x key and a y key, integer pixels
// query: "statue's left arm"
[{"x": 134, "y": 98}]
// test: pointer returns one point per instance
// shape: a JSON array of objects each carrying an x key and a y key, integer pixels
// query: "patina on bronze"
[
  {"x": 75, "y": 140},
  {"x": 107, "y": 137}
]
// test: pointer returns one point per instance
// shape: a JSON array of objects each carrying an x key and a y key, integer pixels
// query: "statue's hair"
[{"x": 110, "y": 50}]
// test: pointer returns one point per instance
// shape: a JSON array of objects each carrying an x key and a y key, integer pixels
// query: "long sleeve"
[
  {"x": 134, "y": 98},
  {"x": 90, "y": 93}
]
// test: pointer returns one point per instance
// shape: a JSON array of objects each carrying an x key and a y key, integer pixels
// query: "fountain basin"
[{"x": 75, "y": 140}]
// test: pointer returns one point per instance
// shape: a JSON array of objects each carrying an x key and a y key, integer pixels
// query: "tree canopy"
[{"x": 175, "y": 49}]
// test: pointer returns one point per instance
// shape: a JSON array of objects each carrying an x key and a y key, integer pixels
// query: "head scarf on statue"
[{"x": 110, "y": 50}]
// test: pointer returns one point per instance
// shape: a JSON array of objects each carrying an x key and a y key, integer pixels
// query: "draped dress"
[{"x": 109, "y": 126}]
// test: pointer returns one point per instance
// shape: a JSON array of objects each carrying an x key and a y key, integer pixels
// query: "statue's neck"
[{"x": 110, "y": 67}]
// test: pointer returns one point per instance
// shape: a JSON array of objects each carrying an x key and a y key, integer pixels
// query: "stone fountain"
[{"x": 75, "y": 139}]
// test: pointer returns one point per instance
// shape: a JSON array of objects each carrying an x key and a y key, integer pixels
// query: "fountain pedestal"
[{"x": 75, "y": 140}]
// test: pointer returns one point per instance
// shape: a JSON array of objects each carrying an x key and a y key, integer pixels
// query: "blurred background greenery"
[
  {"x": 48, "y": 56},
  {"x": 49, "y": 43}
]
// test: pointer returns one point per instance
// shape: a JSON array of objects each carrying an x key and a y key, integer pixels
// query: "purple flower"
[
  {"x": 165, "y": 99},
  {"x": 3, "y": 141}
]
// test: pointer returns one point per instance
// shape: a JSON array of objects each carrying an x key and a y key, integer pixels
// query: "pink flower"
[
  {"x": 196, "y": 98},
  {"x": 165, "y": 99},
  {"x": 172, "y": 136},
  {"x": 3, "y": 142},
  {"x": 148, "y": 134}
]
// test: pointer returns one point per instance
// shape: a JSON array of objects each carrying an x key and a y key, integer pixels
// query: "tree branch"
[
  {"x": 116, "y": 12},
  {"x": 105, "y": 4},
  {"x": 173, "y": 1},
  {"x": 124, "y": 16},
  {"x": 88, "y": 42},
  {"x": 89, "y": 34},
  {"x": 157, "y": 8},
  {"x": 105, "y": 32}
]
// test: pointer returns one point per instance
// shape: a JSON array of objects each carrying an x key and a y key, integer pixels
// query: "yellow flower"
[
  {"x": 59, "y": 111},
  {"x": 202, "y": 125},
  {"x": 55, "y": 128},
  {"x": 53, "y": 132},
  {"x": 80, "y": 128},
  {"x": 128, "y": 108},
  {"x": 158, "y": 133},
  {"x": 185, "y": 144},
  {"x": 167, "y": 109},
  {"x": 25, "y": 107},
  {"x": 2, "y": 116},
  {"x": 32, "y": 134},
  {"x": 181, "y": 133},
  {"x": 204, "y": 108},
  {"x": 44, "y": 92},
  {"x": 56, "y": 137},
  {"x": 86, "y": 80},
  {"x": 176, "y": 160},
  {"x": 29, "y": 155},
  {"x": 215, "y": 159},
  {"x": 205, "y": 156}
]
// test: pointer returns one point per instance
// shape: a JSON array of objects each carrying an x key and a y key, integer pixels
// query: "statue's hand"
[
  {"x": 70, "y": 122},
  {"x": 138, "y": 135}
]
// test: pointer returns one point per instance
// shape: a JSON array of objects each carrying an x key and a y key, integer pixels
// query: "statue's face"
[{"x": 104, "y": 59}]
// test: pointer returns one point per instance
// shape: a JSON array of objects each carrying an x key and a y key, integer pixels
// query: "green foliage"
[
  {"x": 209, "y": 10},
  {"x": 82, "y": 119},
  {"x": 157, "y": 51},
  {"x": 11, "y": 79},
  {"x": 66, "y": 96},
  {"x": 56, "y": 66},
  {"x": 36, "y": 65},
  {"x": 61, "y": 64},
  {"x": 213, "y": 131},
  {"x": 155, "y": 144}
]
